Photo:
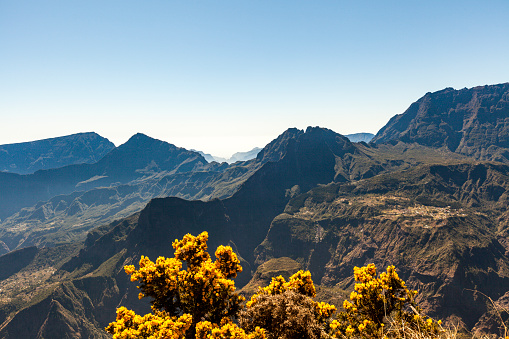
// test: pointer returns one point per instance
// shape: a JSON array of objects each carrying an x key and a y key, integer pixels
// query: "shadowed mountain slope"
[
  {"x": 29, "y": 157},
  {"x": 473, "y": 122}
]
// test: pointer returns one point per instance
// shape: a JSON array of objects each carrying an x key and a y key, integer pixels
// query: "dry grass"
[{"x": 401, "y": 330}]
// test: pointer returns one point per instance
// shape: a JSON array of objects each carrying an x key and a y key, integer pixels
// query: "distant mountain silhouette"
[
  {"x": 239, "y": 156},
  {"x": 210, "y": 158},
  {"x": 360, "y": 137},
  {"x": 473, "y": 122},
  {"x": 28, "y": 157},
  {"x": 244, "y": 156}
]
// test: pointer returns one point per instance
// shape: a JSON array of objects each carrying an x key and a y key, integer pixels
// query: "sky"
[{"x": 226, "y": 76}]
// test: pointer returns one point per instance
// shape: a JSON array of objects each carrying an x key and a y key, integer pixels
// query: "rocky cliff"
[{"x": 472, "y": 121}]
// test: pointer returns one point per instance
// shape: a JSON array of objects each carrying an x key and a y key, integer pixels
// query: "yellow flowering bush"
[
  {"x": 300, "y": 282},
  {"x": 377, "y": 301},
  {"x": 201, "y": 292},
  {"x": 285, "y": 309},
  {"x": 207, "y": 330},
  {"x": 130, "y": 325}
]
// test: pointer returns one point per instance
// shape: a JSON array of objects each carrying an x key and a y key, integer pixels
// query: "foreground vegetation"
[{"x": 200, "y": 301}]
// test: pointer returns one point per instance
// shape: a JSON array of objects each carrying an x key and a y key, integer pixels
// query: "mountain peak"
[
  {"x": 140, "y": 137},
  {"x": 323, "y": 132},
  {"x": 144, "y": 154},
  {"x": 278, "y": 148},
  {"x": 142, "y": 141}
]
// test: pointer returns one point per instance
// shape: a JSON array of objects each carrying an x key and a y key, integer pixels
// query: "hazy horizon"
[{"x": 223, "y": 77}]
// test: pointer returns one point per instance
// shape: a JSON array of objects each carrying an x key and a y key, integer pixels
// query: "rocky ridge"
[{"x": 470, "y": 121}]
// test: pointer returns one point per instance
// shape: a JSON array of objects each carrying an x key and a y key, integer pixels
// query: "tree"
[{"x": 198, "y": 301}]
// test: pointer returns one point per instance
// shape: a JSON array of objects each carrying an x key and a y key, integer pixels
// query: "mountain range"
[{"x": 427, "y": 194}]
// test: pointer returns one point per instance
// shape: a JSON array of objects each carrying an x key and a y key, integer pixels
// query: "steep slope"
[
  {"x": 443, "y": 226},
  {"x": 296, "y": 162},
  {"x": 471, "y": 121},
  {"x": 29, "y": 157},
  {"x": 277, "y": 148}
]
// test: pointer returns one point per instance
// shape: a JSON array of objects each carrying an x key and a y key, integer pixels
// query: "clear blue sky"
[{"x": 224, "y": 76}]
